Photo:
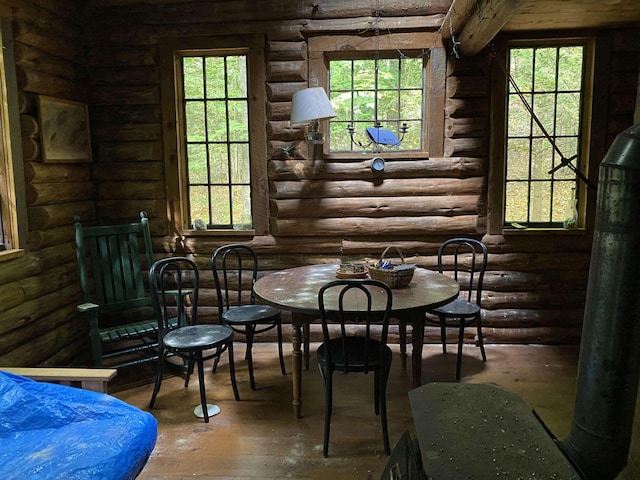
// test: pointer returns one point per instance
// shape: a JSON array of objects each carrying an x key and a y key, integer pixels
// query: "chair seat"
[
  {"x": 458, "y": 308},
  {"x": 250, "y": 314},
  {"x": 197, "y": 337},
  {"x": 356, "y": 348},
  {"x": 131, "y": 330}
]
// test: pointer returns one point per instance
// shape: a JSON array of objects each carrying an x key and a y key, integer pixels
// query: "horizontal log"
[
  {"x": 130, "y": 151},
  {"x": 127, "y": 94},
  {"x": 466, "y": 147},
  {"x": 282, "y": 130},
  {"x": 34, "y": 81},
  {"x": 283, "y": 91},
  {"x": 27, "y": 103},
  {"x": 464, "y": 224},
  {"x": 466, "y": 127},
  {"x": 509, "y": 280},
  {"x": 375, "y": 207},
  {"x": 63, "y": 235},
  {"x": 468, "y": 66},
  {"x": 30, "y": 149},
  {"x": 125, "y": 114},
  {"x": 48, "y": 216},
  {"x": 468, "y": 87},
  {"x": 105, "y": 171},
  {"x": 534, "y": 335},
  {"x": 277, "y": 149},
  {"x": 467, "y": 107},
  {"x": 130, "y": 190},
  {"x": 538, "y": 299},
  {"x": 38, "y": 172},
  {"x": 387, "y": 188},
  {"x": 50, "y": 193},
  {"x": 129, "y": 75},
  {"x": 131, "y": 132},
  {"x": 526, "y": 318},
  {"x": 282, "y": 51},
  {"x": 113, "y": 212},
  {"x": 62, "y": 45},
  {"x": 27, "y": 56},
  {"x": 287, "y": 71},
  {"x": 29, "y": 126},
  {"x": 39, "y": 348},
  {"x": 291, "y": 169},
  {"x": 35, "y": 263},
  {"x": 279, "y": 110}
]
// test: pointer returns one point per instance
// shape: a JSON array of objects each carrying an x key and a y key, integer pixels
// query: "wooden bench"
[{"x": 95, "y": 379}]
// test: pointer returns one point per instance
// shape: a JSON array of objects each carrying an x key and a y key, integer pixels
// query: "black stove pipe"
[{"x": 609, "y": 365}]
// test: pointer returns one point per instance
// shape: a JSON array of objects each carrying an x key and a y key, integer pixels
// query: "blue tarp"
[{"x": 50, "y": 431}]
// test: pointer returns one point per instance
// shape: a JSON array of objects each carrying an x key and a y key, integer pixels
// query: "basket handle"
[{"x": 397, "y": 249}]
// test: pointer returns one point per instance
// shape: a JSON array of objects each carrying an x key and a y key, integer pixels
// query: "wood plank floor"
[{"x": 259, "y": 437}]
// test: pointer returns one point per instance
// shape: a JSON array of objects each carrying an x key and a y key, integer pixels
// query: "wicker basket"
[{"x": 393, "y": 278}]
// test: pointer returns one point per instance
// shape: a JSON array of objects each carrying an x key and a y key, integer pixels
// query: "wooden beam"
[
  {"x": 456, "y": 17},
  {"x": 479, "y": 26}
]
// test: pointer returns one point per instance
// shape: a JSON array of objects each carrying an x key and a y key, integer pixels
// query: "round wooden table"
[{"x": 296, "y": 290}]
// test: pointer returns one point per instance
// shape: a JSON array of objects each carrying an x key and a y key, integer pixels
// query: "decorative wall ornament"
[{"x": 64, "y": 130}]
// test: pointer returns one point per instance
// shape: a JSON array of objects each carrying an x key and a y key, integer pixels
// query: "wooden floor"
[{"x": 259, "y": 437}]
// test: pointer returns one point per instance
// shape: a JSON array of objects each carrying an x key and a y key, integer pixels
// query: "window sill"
[
  {"x": 7, "y": 255},
  {"x": 223, "y": 232},
  {"x": 544, "y": 231}
]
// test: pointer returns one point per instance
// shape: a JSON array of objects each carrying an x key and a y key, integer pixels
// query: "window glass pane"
[
  {"x": 364, "y": 75},
  {"x": 570, "y": 65},
  {"x": 563, "y": 198},
  {"x": 518, "y": 154},
  {"x": 364, "y": 106},
  {"x": 411, "y": 104},
  {"x": 241, "y": 207},
  {"x": 194, "y": 120},
  {"x": 388, "y": 73},
  {"x": 215, "y": 77},
  {"x": 194, "y": 81},
  {"x": 197, "y": 161},
  {"x": 544, "y": 109},
  {"x": 541, "y": 158},
  {"x": 199, "y": 199},
  {"x": 237, "y": 76},
  {"x": 521, "y": 69},
  {"x": 519, "y": 117},
  {"x": 340, "y": 76},
  {"x": 388, "y": 105},
  {"x": 219, "y": 204},
  {"x": 218, "y": 159},
  {"x": 216, "y": 121},
  {"x": 412, "y": 73},
  {"x": 238, "y": 121},
  {"x": 240, "y": 169},
  {"x": 517, "y": 202},
  {"x": 413, "y": 138},
  {"x": 568, "y": 115},
  {"x": 339, "y": 136},
  {"x": 545, "y": 70},
  {"x": 540, "y": 202}
]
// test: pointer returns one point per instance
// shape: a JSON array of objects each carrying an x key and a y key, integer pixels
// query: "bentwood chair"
[
  {"x": 235, "y": 270},
  {"x": 174, "y": 286},
  {"x": 348, "y": 302},
  {"x": 467, "y": 258}
]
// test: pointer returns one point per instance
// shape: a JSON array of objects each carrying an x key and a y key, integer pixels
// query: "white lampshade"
[{"x": 310, "y": 104}]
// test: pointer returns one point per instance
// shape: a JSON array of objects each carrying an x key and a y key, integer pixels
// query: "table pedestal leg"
[
  {"x": 296, "y": 357},
  {"x": 402, "y": 331},
  {"x": 417, "y": 337},
  {"x": 306, "y": 335}
]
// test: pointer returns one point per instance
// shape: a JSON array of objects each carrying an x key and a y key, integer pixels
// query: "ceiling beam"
[{"x": 472, "y": 24}]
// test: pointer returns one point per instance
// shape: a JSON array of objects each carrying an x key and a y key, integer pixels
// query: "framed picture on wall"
[{"x": 64, "y": 130}]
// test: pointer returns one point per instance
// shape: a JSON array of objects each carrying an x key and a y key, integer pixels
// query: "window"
[
  {"x": 12, "y": 198},
  {"x": 393, "y": 79},
  {"x": 219, "y": 179},
  {"x": 216, "y": 124},
  {"x": 548, "y": 94},
  {"x": 368, "y": 92}
]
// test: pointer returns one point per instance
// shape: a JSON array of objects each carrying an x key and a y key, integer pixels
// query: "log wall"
[
  {"x": 38, "y": 322},
  {"x": 320, "y": 211}
]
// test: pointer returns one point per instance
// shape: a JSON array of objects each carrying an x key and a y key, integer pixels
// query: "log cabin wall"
[
  {"x": 536, "y": 285},
  {"x": 39, "y": 290}
]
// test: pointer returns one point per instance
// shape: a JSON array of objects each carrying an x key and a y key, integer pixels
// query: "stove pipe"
[{"x": 609, "y": 365}]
